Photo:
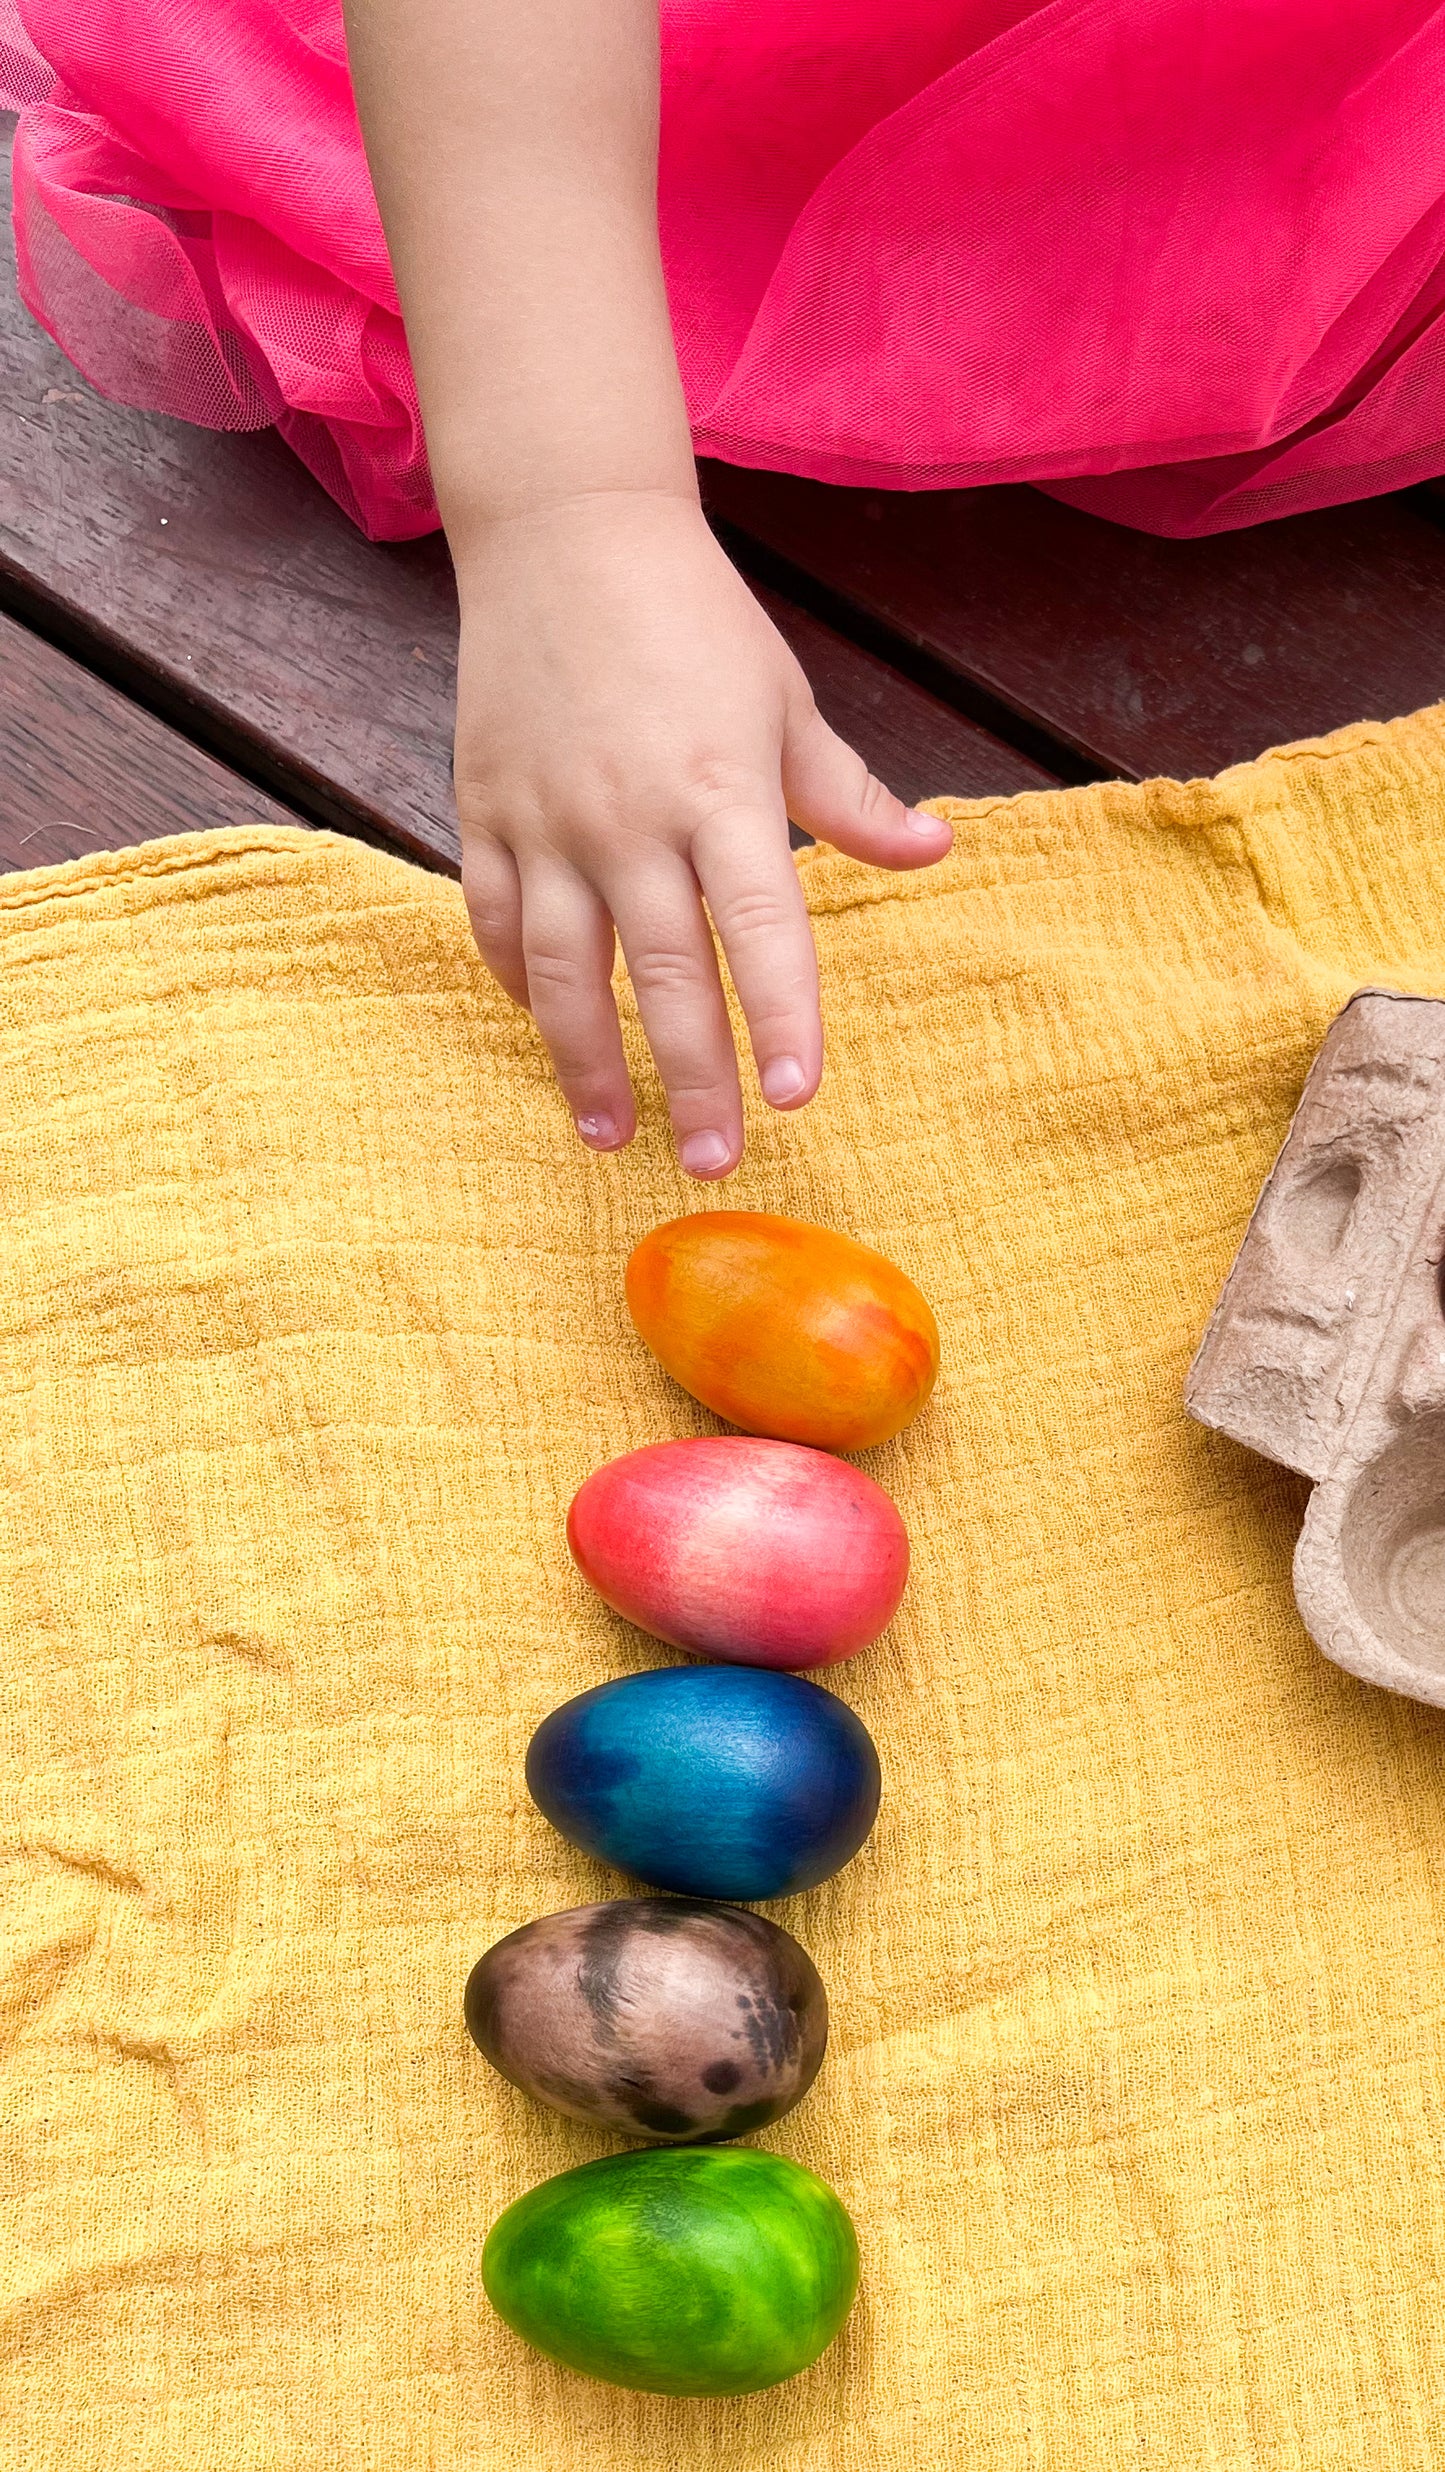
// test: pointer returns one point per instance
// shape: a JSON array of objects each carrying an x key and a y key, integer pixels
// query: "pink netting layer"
[{"x": 1183, "y": 260}]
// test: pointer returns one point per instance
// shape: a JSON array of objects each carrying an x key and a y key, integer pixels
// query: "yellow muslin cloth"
[{"x": 311, "y": 1322}]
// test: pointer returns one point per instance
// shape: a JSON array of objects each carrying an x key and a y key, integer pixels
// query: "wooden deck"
[{"x": 192, "y": 634}]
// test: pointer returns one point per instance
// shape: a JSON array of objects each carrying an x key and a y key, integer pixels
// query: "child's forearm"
[
  {"x": 632, "y": 732},
  {"x": 514, "y": 149}
]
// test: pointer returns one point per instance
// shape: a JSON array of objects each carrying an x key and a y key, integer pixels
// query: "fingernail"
[
  {"x": 918, "y": 822},
  {"x": 599, "y": 1132},
  {"x": 702, "y": 1154},
  {"x": 783, "y": 1078}
]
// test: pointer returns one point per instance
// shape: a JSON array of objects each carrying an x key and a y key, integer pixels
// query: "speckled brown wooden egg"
[{"x": 665, "y": 2018}]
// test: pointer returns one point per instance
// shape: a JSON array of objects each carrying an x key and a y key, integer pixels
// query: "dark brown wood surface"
[
  {"x": 82, "y": 768},
  {"x": 208, "y": 576},
  {"x": 912, "y": 740},
  {"x": 1108, "y": 651}
]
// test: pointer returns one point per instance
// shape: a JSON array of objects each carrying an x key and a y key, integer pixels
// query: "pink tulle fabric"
[{"x": 1182, "y": 261}]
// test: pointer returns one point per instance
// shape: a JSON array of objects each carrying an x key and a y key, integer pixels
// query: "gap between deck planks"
[
  {"x": 1108, "y": 649},
  {"x": 82, "y": 768}
]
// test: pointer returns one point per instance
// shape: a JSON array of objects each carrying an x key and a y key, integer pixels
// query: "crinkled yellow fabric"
[{"x": 311, "y": 1321}]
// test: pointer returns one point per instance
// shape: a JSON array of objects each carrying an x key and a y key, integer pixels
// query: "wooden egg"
[
  {"x": 783, "y": 1328},
  {"x": 712, "y": 2270},
  {"x": 658, "y": 2017},
  {"x": 759, "y": 1552},
  {"x": 715, "y": 1780}
]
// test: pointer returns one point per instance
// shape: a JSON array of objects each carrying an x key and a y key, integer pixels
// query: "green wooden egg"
[{"x": 687, "y": 2271}]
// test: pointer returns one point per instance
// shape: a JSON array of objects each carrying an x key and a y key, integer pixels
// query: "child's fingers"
[
  {"x": 493, "y": 893},
  {"x": 673, "y": 968},
  {"x": 832, "y": 795},
  {"x": 568, "y": 945},
  {"x": 751, "y": 887}
]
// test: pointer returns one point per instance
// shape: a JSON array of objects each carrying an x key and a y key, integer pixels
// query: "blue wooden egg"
[{"x": 714, "y": 1780}]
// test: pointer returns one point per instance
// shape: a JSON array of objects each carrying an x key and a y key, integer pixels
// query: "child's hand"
[{"x": 633, "y": 735}]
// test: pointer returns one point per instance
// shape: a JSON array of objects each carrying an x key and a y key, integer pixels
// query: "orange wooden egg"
[{"x": 783, "y": 1328}]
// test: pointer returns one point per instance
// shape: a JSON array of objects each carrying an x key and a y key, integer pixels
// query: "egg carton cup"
[{"x": 1326, "y": 1350}]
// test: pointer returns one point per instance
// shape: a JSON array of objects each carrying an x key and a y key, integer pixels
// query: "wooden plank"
[
  {"x": 82, "y": 769},
  {"x": 1118, "y": 652},
  {"x": 210, "y": 578},
  {"x": 912, "y": 740}
]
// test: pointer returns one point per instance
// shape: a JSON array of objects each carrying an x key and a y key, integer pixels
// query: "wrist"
[
  {"x": 527, "y": 452},
  {"x": 574, "y": 519}
]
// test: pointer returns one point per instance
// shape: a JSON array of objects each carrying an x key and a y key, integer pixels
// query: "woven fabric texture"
[{"x": 311, "y": 1321}]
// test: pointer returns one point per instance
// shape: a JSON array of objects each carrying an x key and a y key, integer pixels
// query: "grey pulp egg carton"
[{"x": 1326, "y": 1350}]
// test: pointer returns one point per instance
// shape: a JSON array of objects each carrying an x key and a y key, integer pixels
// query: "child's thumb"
[{"x": 831, "y": 794}]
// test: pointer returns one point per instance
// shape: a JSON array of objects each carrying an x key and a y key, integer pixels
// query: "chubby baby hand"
[{"x": 632, "y": 737}]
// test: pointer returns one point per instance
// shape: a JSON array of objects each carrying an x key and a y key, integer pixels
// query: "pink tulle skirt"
[{"x": 1182, "y": 261}]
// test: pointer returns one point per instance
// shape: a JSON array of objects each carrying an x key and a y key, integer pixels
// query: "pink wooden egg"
[{"x": 759, "y": 1553}]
